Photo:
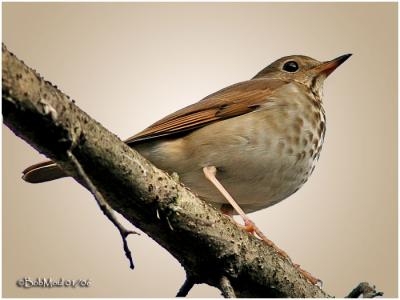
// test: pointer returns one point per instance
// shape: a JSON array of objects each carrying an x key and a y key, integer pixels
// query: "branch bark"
[
  {"x": 226, "y": 288},
  {"x": 207, "y": 244},
  {"x": 186, "y": 287},
  {"x": 365, "y": 290}
]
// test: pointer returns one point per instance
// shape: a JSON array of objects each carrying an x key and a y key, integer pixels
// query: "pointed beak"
[{"x": 328, "y": 67}]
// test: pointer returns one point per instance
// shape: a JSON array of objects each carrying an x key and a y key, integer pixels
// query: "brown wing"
[{"x": 235, "y": 100}]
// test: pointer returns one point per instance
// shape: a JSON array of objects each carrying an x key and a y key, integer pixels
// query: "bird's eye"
[{"x": 291, "y": 66}]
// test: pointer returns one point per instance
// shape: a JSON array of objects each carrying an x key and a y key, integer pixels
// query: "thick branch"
[{"x": 207, "y": 244}]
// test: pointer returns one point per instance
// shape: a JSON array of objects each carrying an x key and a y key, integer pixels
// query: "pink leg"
[{"x": 210, "y": 173}]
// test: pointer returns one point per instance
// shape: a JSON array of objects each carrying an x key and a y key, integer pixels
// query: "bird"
[{"x": 245, "y": 147}]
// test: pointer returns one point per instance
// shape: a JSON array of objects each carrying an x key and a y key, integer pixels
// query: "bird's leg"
[{"x": 210, "y": 173}]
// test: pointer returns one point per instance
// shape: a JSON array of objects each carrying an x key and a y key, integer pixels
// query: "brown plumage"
[{"x": 235, "y": 100}]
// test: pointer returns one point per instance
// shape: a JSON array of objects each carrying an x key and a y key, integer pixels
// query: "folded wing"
[{"x": 235, "y": 100}]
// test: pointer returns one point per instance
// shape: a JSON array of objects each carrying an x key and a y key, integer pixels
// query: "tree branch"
[
  {"x": 365, "y": 290},
  {"x": 105, "y": 208},
  {"x": 207, "y": 244},
  {"x": 226, "y": 288},
  {"x": 186, "y": 287}
]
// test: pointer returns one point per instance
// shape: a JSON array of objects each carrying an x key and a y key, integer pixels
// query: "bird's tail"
[{"x": 42, "y": 172}]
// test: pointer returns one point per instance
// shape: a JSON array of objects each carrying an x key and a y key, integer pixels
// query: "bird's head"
[{"x": 302, "y": 69}]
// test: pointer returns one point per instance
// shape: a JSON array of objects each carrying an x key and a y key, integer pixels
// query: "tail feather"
[{"x": 42, "y": 172}]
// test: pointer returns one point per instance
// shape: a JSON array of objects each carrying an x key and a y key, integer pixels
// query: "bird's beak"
[{"x": 328, "y": 67}]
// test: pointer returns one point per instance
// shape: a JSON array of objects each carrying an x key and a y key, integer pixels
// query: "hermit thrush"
[{"x": 245, "y": 147}]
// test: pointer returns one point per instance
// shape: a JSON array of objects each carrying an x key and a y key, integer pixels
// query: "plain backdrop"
[{"x": 129, "y": 64}]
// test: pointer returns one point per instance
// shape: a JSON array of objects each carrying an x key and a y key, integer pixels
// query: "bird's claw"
[{"x": 308, "y": 276}]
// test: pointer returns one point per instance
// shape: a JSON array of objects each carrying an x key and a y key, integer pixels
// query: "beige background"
[{"x": 130, "y": 64}]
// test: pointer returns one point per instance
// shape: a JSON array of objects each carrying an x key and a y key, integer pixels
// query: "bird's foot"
[
  {"x": 250, "y": 227},
  {"x": 308, "y": 276}
]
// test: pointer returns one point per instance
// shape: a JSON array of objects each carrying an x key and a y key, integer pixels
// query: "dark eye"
[{"x": 291, "y": 66}]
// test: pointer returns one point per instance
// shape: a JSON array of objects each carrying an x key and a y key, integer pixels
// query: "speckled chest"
[
  {"x": 262, "y": 157},
  {"x": 291, "y": 136},
  {"x": 303, "y": 129}
]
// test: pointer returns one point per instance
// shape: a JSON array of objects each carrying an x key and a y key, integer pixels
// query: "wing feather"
[{"x": 235, "y": 100}]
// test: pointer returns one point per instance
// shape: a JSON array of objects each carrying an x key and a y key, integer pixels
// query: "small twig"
[
  {"x": 226, "y": 288},
  {"x": 364, "y": 290},
  {"x": 186, "y": 287},
  {"x": 105, "y": 208}
]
